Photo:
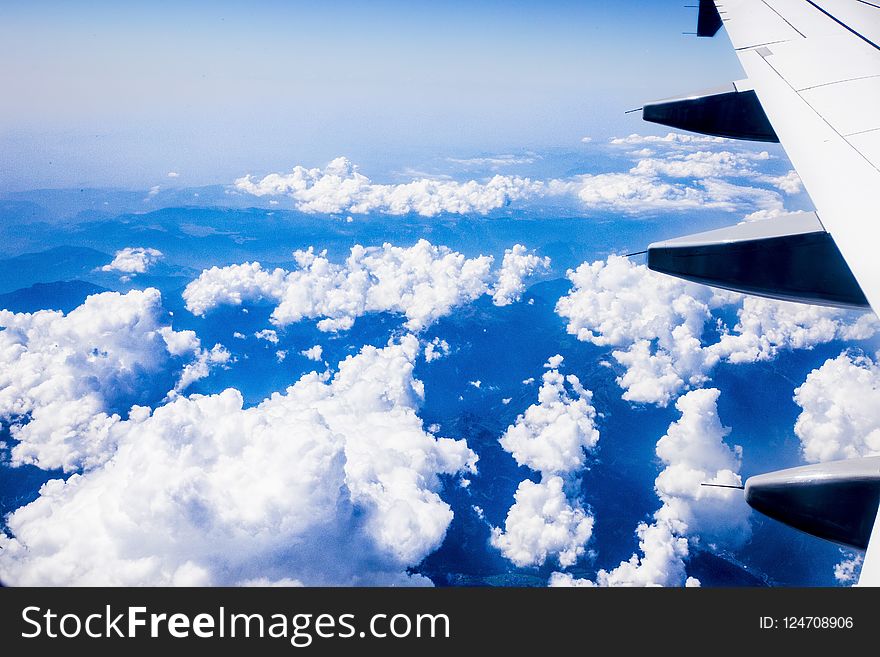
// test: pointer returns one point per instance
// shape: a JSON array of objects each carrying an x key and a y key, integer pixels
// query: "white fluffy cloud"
[
  {"x": 653, "y": 184},
  {"x": 715, "y": 165},
  {"x": 436, "y": 349},
  {"x": 669, "y": 140},
  {"x": 656, "y": 323},
  {"x": 205, "y": 360},
  {"x": 765, "y": 327},
  {"x": 134, "y": 260},
  {"x": 65, "y": 379},
  {"x": 643, "y": 190},
  {"x": 702, "y": 164},
  {"x": 339, "y": 187},
  {"x": 567, "y": 580},
  {"x": 790, "y": 183},
  {"x": 517, "y": 265},
  {"x": 331, "y": 482},
  {"x": 709, "y": 162},
  {"x": 233, "y": 285},
  {"x": 840, "y": 416},
  {"x": 615, "y": 302},
  {"x": 542, "y": 522},
  {"x": 693, "y": 451},
  {"x": 269, "y": 335},
  {"x": 661, "y": 563},
  {"x": 423, "y": 282},
  {"x": 552, "y": 437},
  {"x": 313, "y": 353}
]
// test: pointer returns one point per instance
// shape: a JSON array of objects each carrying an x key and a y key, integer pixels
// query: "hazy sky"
[{"x": 119, "y": 93}]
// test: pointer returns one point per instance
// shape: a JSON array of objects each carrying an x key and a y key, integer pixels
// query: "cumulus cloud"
[
  {"x": 840, "y": 409},
  {"x": 702, "y": 164},
  {"x": 670, "y": 139},
  {"x": 790, "y": 183},
  {"x": 642, "y": 191},
  {"x": 66, "y": 380},
  {"x": 269, "y": 335},
  {"x": 313, "y": 353},
  {"x": 340, "y": 187},
  {"x": 205, "y": 360},
  {"x": 517, "y": 265},
  {"x": 543, "y": 522},
  {"x": 769, "y": 213},
  {"x": 693, "y": 451},
  {"x": 709, "y": 162},
  {"x": 436, "y": 349},
  {"x": 552, "y": 437},
  {"x": 333, "y": 481},
  {"x": 656, "y": 323},
  {"x": 765, "y": 327},
  {"x": 567, "y": 580},
  {"x": 232, "y": 286},
  {"x": 653, "y": 184},
  {"x": 715, "y": 165},
  {"x": 134, "y": 260},
  {"x": 661, "y": 562},
  {"x": 423, "y": 282}
]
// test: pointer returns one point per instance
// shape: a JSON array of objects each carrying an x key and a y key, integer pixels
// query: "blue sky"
[{"x": 118, "y": 94}]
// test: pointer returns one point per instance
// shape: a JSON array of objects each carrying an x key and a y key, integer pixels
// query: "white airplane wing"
[
  {"x": 815, "y": 66},
  {"x": 813, "y": 69}
]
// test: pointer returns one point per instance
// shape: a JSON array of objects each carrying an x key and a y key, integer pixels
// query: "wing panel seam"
[
  {"x": 843, "y": 25},
  {"x": 862, "y": 132},
  {"x": 828, "y": 84},
  {"x": 819, "y": 114},
  {"x": 787, "y": 22},
  {"x": 760, "y": 45}
]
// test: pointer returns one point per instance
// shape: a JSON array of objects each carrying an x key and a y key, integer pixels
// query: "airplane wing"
[{"x": 813, "y": 69}]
